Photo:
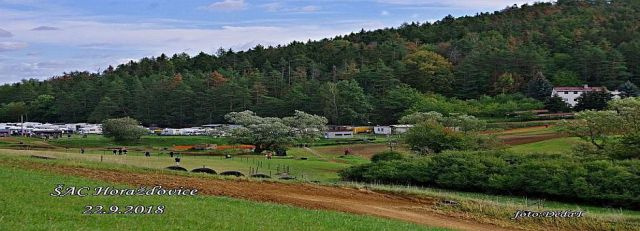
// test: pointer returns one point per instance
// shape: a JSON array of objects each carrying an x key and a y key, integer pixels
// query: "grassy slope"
[
  {"x": 76, "y": 141},
  {"x": 500, "y": 209},
  {"x": 558, "y": 145},
  {"x": 483, "y": 207},
  {"x": 324, "y": 169},
  {"x": 311, "y": 169},
  {"x": 26, "y": 204},
  {"x": 315, "y": 168}
]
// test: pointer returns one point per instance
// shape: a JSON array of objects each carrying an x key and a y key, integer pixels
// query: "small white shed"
[
  {"x": 338, "y": 134},
  {"x": 382, "y": 130}
]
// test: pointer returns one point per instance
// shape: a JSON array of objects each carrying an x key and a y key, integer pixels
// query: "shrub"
[
  {"x": 592, "y": 101},
  {"x": 628, "y": 147},
  {"x": 123, "y": 129},
  {"x": 432, "y": 137},
  {"x": 559, "y": 176}
]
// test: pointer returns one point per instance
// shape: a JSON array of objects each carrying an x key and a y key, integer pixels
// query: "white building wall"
[
  {"x": 568, "y": 97},
  {"x": 338, "y": 134},
  {"x": 383, "y": 130}
]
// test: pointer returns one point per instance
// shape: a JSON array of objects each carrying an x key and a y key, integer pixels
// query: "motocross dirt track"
[{"x": 365, "y": 202}]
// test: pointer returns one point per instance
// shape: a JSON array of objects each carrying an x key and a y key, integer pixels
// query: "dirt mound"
[
  {"x": 204, "y": 170},
  {"x": 232, "y": 173},
  {"x": 412, "y": 209},
  {"x": 176, "y": 168}
]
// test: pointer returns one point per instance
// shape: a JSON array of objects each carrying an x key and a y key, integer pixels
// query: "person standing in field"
[{"x": 177, "y": 159}]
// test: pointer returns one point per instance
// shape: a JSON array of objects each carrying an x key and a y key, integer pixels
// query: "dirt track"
[
  {"x": 526, "y": 135},
  {"x": 416, "y": 210}
]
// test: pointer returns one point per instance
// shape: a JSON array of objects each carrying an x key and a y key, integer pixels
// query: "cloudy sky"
[{"x": 43, "y": 38}]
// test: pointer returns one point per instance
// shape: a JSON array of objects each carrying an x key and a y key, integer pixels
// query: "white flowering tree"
[
  {"x": 464, "y": 123},
  {"x": 269, "y": 133}
]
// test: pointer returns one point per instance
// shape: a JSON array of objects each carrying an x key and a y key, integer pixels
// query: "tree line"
[{"x": 360, "y": 78}]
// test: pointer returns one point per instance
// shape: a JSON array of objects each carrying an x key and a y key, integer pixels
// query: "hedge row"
[{"x": 556, "y": 177}]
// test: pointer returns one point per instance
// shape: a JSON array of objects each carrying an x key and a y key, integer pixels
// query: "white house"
[
  {"x": 382, "y": 130},
  {"x": 570, "y": 94},
  {"x": 400, "y": 128},
  {"x": 170, "y": 132},
  {"x": 91, "y": 130},
  {"x": 338, "y": 134}
]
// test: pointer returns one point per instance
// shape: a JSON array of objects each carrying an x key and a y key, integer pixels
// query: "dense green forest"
[{"x": 486, "y": 61}]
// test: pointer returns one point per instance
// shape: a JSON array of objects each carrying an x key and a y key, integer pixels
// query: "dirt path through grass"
[
  {"x": 416, "y": 210},
  {"x": 314, "y": 152}
]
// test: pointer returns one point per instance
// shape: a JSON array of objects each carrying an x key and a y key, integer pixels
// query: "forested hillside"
[{"x": 370, "y": 76}]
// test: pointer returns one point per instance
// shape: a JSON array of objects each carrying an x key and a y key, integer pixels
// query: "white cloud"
[
  {"x": 272, "y": 7},
  {"x": 9, "y": 46},
  {"x": 458, "y": 3},
  {"x": 279, "y": 7},
  {"x": 227, "y": 5},
  {"x": 309, "y": 8},
  {"x": 45, "y": 28},
  {"x": 4, "y": 33},
  {"x": 89, "y": 43}
]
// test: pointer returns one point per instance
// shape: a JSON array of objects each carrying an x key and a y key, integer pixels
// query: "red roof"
[{"x": 578, "y": 88}]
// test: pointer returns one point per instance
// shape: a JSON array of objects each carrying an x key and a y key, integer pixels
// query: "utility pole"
[{"x": 21, "y": 125}]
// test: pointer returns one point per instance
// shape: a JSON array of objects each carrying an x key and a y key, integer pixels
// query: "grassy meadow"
[
  {"x": 558, "y": 145},
  {"x": 27, "y": 204},
  {"x": 318, "y": 163}
]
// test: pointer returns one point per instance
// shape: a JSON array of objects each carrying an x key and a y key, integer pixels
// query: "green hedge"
[{"x": 556, "y": 177}]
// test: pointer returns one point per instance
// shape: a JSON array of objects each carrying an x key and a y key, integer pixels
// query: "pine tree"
[
  {"x": 628, "y": 89},
  {"x": 556, "y": 104},
  {"x": 539, "y": 87},
  {"x": 104, "y": 110},
  {"x": 595, "y": 100}
]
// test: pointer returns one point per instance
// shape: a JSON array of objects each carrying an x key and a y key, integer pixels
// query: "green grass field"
[
  {"x": 76, "y": 141},
  {"x": 558, "y": 145},
  {"x": 26, "y": 205},
  {"x": 312, "y": 169},
  {"x": 322, "y": 163}
]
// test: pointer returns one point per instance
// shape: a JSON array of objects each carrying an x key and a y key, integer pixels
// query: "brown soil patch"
[
  {"x": 412, "y": 209},
  {"x": 365, "y": 150},
  {"x": 8, "y": 139},
  {"x": 517, "y": 130}
]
